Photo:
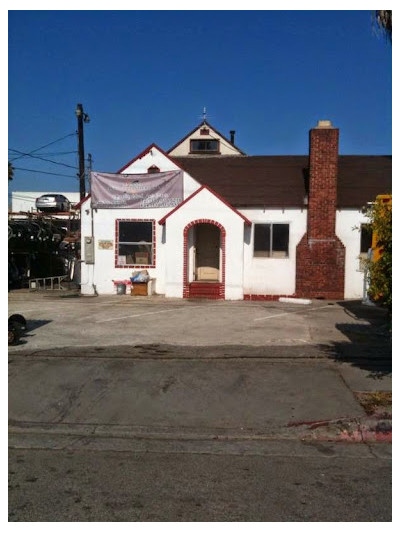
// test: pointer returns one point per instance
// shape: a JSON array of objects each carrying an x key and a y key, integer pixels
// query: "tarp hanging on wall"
[{"x": 136, "y": 191}]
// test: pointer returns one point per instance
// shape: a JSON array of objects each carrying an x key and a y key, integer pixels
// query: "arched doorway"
[
  {"x": 207, "y": 252},
  {"x": 204, "y": 260}
]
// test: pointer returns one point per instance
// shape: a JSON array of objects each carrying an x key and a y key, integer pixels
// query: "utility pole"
[{"x": 82, "y": 117}]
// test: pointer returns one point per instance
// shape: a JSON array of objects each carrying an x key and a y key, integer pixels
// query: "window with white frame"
[
  {"x": 134, "y": 242},
  {"x": 271, "y": 240}
]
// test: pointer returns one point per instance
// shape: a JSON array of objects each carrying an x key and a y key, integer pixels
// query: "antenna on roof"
[{"x": 204, "y": 115}]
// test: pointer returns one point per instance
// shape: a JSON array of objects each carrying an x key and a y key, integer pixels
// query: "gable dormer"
[{"x": 205, "y": 140}]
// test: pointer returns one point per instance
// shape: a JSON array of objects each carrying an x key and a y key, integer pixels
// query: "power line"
[
  {"x": 43, "y": 159},
  {"x": 224, "y": 143},
  {"x": 48, "y": 153},
  {"x": 46, "y": 145},
  {"x": 43, "y": 172},
  {"x": 60, "y": 153}
]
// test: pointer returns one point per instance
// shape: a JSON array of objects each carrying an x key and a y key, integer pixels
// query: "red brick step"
[{"x": 207, "y": 290}]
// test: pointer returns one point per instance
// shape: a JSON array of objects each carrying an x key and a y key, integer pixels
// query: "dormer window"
[
  {"x": 153, "y": 169},
  {"x": 204, "y": 146}
]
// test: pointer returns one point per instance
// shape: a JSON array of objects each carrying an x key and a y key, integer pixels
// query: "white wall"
[
  {"x": 24, "y": 201},
  {"x": 270, "y": 275},
  {"x": 174, "y": 251},
  {"x": 104, "y": 270},
  {"x": 348, "y": 223},
  {"x": 168, "y": 270}
]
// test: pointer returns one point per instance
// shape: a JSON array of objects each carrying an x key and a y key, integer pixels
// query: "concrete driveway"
[{"x": 60, "y": 320}]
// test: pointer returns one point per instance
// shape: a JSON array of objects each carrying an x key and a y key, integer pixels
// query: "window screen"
[
  {"x": 262, "y": 239},
  {"x": 204, "y": 145},
  {"x": 280, "y": 238},
  {"x": 271, "y": 240}
]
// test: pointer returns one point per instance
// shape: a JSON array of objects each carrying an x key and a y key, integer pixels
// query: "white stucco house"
[{"x": 206, "y": 220}]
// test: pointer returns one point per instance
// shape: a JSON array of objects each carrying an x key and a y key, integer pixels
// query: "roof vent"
[{"x": 324, "y": 124}]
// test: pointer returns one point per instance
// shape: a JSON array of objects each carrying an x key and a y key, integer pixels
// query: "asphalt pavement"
[{"x": 288, "y": 482}]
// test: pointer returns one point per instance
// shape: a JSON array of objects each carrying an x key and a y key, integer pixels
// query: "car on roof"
[{"x": 53, "y": 202}]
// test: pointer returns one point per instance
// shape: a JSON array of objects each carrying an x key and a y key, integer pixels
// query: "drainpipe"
[
  {"x": 91, "y": 219},
  {"x": 94, "y": 261},
  {"x": 243, "y": 259}
]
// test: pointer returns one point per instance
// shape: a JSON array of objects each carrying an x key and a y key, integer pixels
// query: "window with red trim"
[{"x": 135, "y": 242}]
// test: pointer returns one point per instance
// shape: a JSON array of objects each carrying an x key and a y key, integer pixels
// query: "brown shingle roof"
[
  {"x": 362, "y": 177},
  {"x": 280, "y": 181}
]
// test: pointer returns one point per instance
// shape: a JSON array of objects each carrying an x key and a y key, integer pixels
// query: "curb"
[{"x": 355, "y": 430}]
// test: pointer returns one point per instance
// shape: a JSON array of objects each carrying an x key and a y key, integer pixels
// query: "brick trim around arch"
[{"x": 186, "y": 285}]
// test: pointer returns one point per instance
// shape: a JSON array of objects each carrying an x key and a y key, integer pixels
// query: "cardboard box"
[
  {"x": 139, "y": 289},
  {"x": 141, "y": 258}
]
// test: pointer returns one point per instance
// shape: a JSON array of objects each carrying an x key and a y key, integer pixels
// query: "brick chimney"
[
  {"x": 323, "y": 170},
  {"x": 320, "y": 255}
]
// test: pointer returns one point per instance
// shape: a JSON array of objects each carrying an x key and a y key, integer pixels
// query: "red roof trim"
[
  {"x": 162, "y": 220},
  {"x": 145, "y": 152},
  {"x": 81, "y": 202}
]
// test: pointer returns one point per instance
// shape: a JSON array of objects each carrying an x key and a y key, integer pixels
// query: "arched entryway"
[
  {"x": 207, "y": 252},
  {"x": 204, "y": 260}
]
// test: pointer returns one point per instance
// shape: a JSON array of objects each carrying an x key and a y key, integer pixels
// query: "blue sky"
[{"x": 145, "y": 76}]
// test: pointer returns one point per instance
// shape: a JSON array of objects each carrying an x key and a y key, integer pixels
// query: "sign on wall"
[
  {"x": 105, "y": 245},
  {"x": 136, "y": 191}
]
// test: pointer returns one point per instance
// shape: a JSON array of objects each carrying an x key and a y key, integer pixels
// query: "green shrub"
[{"x": 380, "y": 269}]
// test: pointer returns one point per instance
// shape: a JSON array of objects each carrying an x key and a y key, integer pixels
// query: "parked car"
[{"x": 53, "y": 202}]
